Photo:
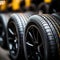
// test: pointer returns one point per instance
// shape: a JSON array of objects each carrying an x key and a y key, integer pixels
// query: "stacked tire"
[
  {"x": 57, "y": 19},
  {"x": 41, "y": 41},
  {"x": 3, "y": 29},
  {"x": 15, "y": 29}
]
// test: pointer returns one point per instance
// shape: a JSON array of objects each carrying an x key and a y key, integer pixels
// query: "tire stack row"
[{"x": 30, "y": 37}]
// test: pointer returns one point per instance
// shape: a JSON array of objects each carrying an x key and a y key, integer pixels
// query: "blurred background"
[{"x": 26, "y": 5}]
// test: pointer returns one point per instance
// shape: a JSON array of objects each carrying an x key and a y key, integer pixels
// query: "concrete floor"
[{"x": 4, "y": 54}]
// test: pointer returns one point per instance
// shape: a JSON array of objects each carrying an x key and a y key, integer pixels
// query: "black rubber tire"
[
  {"x": 56, "y": 16},
  {"x": 48, "y": 34},
  {"x": 4, "y": 20},
  {"x": 57, "y": 21},
  {"x": 43, "y": 7},
  {"x": 20, "y": 20}
]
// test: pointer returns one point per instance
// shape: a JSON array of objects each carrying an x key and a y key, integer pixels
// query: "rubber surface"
[
  {"x": 20, "y": 20},
  {"x": 4, "y": 20},
  {"x": 48, "y": 34}
]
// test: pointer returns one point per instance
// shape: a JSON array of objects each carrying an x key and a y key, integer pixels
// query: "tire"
[
  {"x": 17, "y": 23},
  {"x": 55, "y": 21},
  {"x": 3, "y": 30},
  {"x": 43, "y": 8},
  {"x": 56, "y": 16},
  {"x": 47, "y": 47}
]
